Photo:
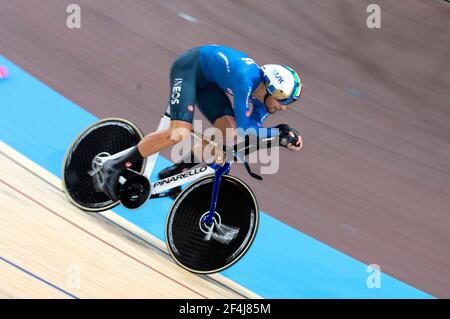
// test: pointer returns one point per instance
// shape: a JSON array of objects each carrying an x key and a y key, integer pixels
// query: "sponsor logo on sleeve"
[
  {"x": 265, "y": 116},
  {"x": 227, "y": 63},
  {"x": 176, "y": 91}
]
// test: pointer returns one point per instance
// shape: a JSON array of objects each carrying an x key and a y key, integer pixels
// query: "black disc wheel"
[
  {"x": 236, "y": 218},
  {"x": 108, "y": 136}
]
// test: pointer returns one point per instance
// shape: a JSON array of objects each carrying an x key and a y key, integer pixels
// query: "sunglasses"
[{"x": 286, "y": 101}]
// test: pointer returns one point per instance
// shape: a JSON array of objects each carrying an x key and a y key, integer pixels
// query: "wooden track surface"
[{"x": 49, "y": 238}]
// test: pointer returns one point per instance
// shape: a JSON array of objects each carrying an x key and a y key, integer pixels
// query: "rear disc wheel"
[{"x": 107, "y": 136}]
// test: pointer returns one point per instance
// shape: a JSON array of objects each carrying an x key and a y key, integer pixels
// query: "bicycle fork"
[
  {"x": 224, "y": 234},
  {"x": 220, "y": 171}
]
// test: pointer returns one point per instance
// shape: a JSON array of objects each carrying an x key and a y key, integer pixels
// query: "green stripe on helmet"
[
  {"x": 297, "y": 92},
  {"x": 298, "y": 85},
  {"x": 296, "y": 77}
]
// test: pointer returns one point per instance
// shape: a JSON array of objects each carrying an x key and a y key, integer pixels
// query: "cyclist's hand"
[
  {"x": 297, "y": 145},
  {"x": 290, "y": 138}
]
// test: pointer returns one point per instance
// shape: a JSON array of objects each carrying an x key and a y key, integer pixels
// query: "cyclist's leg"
[
  {"x": 157, "y": 141},
  {"x": 183, "y": 78},
  {"x": 214, "y": 103}
]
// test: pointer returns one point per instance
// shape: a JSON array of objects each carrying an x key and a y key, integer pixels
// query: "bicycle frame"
[{"x": 192, "y": 175}]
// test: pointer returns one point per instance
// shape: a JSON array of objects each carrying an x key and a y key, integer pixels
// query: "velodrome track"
[
  {"x": 373, "y": 181},
  {"x": 55, "y": 240}
]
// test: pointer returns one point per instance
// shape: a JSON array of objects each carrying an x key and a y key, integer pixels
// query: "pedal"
[{"x": 134, "y": 189}]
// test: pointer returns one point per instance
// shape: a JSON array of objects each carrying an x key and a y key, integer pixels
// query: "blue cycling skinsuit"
[{"x": 202, "y": 75}]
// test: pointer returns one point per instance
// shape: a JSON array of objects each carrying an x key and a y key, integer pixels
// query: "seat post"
[{"x": 164, "y": 123}]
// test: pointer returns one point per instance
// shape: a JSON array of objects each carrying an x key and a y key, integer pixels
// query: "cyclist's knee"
[{"x": 179, "y": 131}]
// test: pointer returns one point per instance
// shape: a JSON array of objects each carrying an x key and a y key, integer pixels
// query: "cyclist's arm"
[
  {"x": 242, "y": 114},
  {"x": 259, "y": 113}
]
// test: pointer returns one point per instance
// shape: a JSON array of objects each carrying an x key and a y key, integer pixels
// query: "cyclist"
[{"x": 202, "y": 77}]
